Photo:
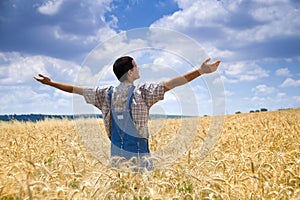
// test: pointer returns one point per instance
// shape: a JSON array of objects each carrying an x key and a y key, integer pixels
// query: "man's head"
[{"x": 125, "y": 68}]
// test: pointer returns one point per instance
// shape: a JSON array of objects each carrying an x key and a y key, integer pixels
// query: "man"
[{"x": 125, "y": 108}]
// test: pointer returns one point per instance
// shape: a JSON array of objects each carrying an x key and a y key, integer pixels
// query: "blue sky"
[{"x": 258, "y": 42}]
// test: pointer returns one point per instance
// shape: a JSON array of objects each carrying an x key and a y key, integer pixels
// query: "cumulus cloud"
[
  {"x": 20, "y": 93},
  {"x": 19, "y": 68},
  {"x": 283, "y": 72},
  {"x": 263, "y": 90},
  {"x": 281, "y": 95},
  {"x": 271, "y": 102},
  {"x": 269, "y": 2},
  {"x": 58, "y": 28},
  {"x": 193, "y": 13},
  {"x": 289, "y": 82},
  {"x": 16, "y": 98},
  {"x": 243, "y": 71},
  {"x": 296, "y": 98},
  {"x": 246, "y": 29},
  {"x": 50, "y": 7},
  {"x": 243, "y": 34}
]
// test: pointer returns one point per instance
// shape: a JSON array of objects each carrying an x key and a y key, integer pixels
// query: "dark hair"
[{"x": 121, "y": 66}]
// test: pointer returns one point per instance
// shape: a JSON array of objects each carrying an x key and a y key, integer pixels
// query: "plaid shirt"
[{"x": 145, "y": 96}]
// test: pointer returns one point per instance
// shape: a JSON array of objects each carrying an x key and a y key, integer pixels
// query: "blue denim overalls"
[{"x": 126, "y": 142}]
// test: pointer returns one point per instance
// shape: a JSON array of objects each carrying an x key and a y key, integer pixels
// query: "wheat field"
[{"x": 257, "y": 156}]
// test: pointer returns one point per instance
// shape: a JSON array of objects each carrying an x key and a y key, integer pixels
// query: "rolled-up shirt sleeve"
[
  {"x": 95, "y": 96},
  {"x": 152, "y": 93}
]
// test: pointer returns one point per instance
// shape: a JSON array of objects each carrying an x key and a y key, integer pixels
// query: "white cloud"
[
  {"x": 156, "y": 50},
  {"x": 261, "y": 102},
  {"x": 229, "y": 93},
  {"x": 59, "y": 34},
  {"x": 229, "y": 80},
  {"x": 297, "y": 99},
  {"x": 168, "y": 60},
  {"x": 50, "y": 7},
  {"x": 266, "y": 14},
  {"x": 170, "y": 96},
  {"x": 20, "y": 93},
  {"x": 23, "y": 99},
  {"x": 282, "y": 72},
  {"x": 214, "y": 52},
  {"x": 272, "y": 18},
  {"x": 272, "y": 103},
  {"x": 193, "y": 13},
  {"x": 261, "y": 90},
  {"x": 270, "y": 2},
  {"x": 281, "y": 95},
  {"x": 183, "y": 4},
  {"x": 20, "y": 69},
  {"x": 57, "y": 28},
  {"x": 243, "y": 71},
  {"x": 230, "y": 28},
  {"x": 217, "y": 80},
  {"x": 102, "y": 34},
  {"x": 289, "y": 82}
]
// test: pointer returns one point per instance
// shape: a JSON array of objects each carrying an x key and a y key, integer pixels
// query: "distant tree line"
[
  {"x": 40, "y": 117},
  {"x": 253, "y": 111}
]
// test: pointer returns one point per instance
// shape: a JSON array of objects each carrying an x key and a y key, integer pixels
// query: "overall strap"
[
  {"x": 110, "y": 95},
  {"x": 129, "y": 98}
]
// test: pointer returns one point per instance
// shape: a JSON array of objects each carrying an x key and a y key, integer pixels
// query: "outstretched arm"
[
  {"x": 61, "y": 86},
  {"x": 205, "y": 68}
]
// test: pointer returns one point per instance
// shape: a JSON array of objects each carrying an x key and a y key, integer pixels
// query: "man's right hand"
[
  {"x": 43, "y": 79},
  {"x": 207, "y": 67},
  {"x": 61, "y": 86}
]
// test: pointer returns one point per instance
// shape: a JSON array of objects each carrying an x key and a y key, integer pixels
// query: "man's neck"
[{"x": 127, "y": 82}]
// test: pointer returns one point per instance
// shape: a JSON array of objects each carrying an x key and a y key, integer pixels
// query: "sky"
[{"x": 76, "y": 42}]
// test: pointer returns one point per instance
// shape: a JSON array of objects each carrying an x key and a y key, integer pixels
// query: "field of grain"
[{"x": 257, "y": 156}]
